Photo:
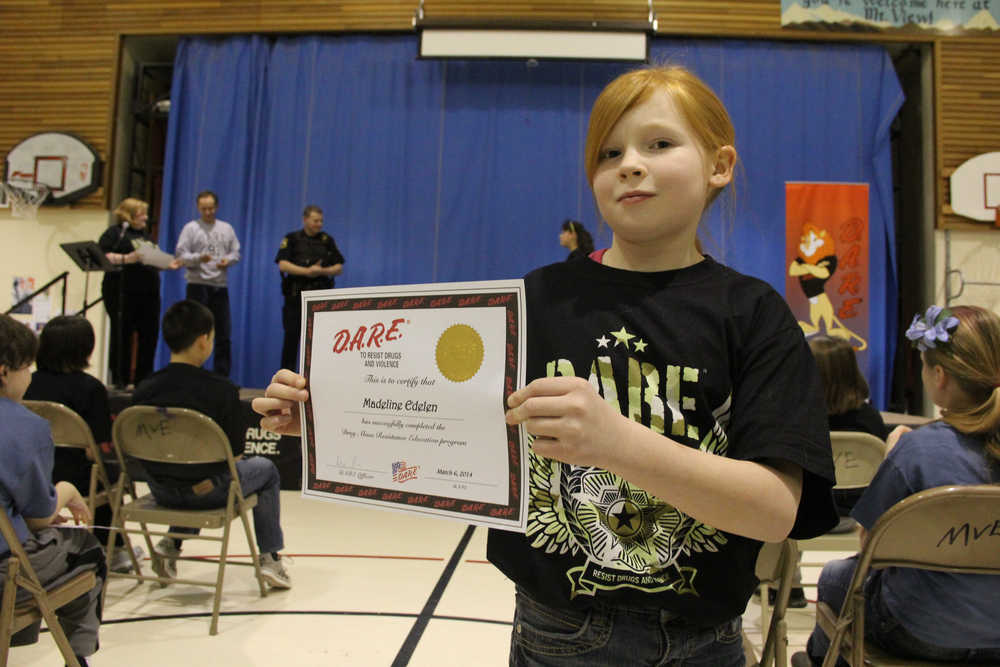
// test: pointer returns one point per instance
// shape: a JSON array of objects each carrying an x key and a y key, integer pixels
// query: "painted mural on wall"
[
  {"x": 938, "y": 15},
  {"x": 826, "y": 251}
]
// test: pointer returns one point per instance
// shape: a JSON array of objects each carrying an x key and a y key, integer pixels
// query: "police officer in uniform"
[{"x": 308, "y": 259}]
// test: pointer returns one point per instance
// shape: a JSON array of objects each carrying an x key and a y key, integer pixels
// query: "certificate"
[
  {"x": 151, "y": 255},
  {"x": 408, "y": 386}
]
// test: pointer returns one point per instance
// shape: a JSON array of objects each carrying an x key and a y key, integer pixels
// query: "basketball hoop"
[{"x": 25, "y": 198}]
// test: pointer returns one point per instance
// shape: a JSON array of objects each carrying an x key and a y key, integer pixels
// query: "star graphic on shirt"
[
  {"x": 640, "y": 346},
  {"x": 602, "y": 341},
  {"x": 622, "y": 336}
]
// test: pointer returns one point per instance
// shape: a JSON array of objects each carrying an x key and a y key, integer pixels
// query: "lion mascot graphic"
[{"x": 815, "y": 265}]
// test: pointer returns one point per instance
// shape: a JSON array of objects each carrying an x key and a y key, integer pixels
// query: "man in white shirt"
[{"x": 207, "y": 247}]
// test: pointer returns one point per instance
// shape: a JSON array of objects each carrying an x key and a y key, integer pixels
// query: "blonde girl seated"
[{"x": 919, "y": 613}]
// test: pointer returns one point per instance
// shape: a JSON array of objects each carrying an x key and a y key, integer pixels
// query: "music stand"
[{"x": 89, "y": 257}]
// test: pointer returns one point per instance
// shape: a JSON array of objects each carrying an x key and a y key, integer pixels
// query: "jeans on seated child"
[
  {"x": 880, "y": 627},
  {"x": 257, "y": 475}
]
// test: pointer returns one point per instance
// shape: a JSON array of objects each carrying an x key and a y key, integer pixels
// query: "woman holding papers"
[{"x": 132, "y": 293}]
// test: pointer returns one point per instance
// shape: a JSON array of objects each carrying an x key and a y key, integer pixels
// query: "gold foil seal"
[{"x": 459, "y": 352}]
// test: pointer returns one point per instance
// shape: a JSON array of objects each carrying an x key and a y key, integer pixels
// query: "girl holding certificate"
[{"x": 677, "y": 414}]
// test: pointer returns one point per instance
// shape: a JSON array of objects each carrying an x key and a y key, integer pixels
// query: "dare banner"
[{"x": 826, "y": 251}]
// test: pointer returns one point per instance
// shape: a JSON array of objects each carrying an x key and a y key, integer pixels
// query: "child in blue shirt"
[{"x": 34, "y": 504}]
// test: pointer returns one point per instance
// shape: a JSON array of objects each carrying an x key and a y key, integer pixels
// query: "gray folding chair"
[
  {"x": 775, "y": 568},
  {"x": 910, "y": 534},
  {"x": 43, "y": 603},
  {"x": 70, "y": 430},
  {"x": 856, "y": 458},
  {"x": 182, "y": 436}
]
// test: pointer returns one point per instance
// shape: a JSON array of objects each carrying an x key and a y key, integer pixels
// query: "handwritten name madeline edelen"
[{"x": 410, "y": 406}]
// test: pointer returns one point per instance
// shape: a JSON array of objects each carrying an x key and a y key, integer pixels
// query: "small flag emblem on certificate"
[{"x": 402, "y": 473}]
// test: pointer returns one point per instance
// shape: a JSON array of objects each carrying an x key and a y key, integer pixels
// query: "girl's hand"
[
  {"x": 280, "y": 405},
  {"x": 570, "y": 421},
  {"x": 77, "y": 506},
  {"x": 895, "y": 435},
  {"x": 174, "y": 265}
]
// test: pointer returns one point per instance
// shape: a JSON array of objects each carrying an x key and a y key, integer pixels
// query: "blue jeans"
[
  {"x": 257, "y": 475},
  {"x": 615, "y": 636},
  {"x": 880, "y": 627},
  {"x": 216, "y": 299}
]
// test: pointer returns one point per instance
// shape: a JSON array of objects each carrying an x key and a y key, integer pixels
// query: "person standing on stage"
[
  {"x": 207, "y": 248},
  {"x": 308, "y": 259},
  {"x": 131, "y": 294}
]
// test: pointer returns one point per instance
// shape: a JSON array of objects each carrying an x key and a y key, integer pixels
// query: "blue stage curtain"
[{"x": 464, "y": 170}]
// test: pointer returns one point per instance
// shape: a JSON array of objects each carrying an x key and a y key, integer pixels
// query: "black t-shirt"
[
  {"x": 139, "y": 278},
  {"x": 865, "y": 419},
  {"x": 179, "y": 385},
  {"x": 811, "y": 285},
  {"x": 86, "y": 396},
  {"x": 712, "y": 359},
  {"x": 299, "y": 248}
]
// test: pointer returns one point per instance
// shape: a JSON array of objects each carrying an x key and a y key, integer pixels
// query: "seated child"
[
  {"x": 64, "y": 350},
  {"x": 847, "y": 405},
  {"x": 34, "y": 504},
  {"x": 845, "y": 388},
  {"x": 922, "y": 614},
  {"x": 188, "y": 330}
]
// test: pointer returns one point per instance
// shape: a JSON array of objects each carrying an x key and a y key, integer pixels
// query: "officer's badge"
[{"x": 284, "y": 243}]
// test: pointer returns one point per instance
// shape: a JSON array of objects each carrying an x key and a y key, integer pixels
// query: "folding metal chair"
[
  {"x": 911, "y": 534},
  {"x": 775, "y": 568},
  {"x": 16, "y": 616},
  {"x": 70, "y": 430},
  {"x": 856, "y": 458},
  {"x": 182, "y": 436}
]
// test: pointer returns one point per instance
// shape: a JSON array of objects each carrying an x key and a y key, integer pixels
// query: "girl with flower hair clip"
[{"x": 921, "y": 614}]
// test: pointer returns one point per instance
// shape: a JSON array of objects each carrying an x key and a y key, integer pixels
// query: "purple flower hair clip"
[{"x": 933, "y": 327}]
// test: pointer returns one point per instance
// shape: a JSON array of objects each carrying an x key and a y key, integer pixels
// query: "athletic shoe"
[
  {"x": 273, "y": 572},
  {"x": 166, "y": 564},
  {"x": 121, "y": 563},
  {"x": 801, "y": 659}
]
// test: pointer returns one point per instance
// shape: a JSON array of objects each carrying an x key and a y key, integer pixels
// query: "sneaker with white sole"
[
  {"x": 121, "y": 563},
  {"x": 166, "y": 564},
  {"x": 273, "y": 572}
]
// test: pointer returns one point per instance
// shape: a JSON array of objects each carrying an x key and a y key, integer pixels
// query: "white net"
[{"x": 25, "y": 198}]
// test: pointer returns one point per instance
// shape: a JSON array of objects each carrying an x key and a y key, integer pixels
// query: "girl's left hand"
[
  {"x": 78, "y": 508},
  {"x": 569, "y": 420},
  {"x": 895, "y": 435}
]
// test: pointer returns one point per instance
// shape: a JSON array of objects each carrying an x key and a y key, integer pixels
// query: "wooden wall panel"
[
  {"x": 64, "y": 53},
  {"x": 968, "y": 113}
]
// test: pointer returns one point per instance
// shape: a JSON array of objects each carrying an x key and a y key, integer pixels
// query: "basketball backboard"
[
  {"x": 975, "y": 188},
  {"x": 62, "y": 162}
]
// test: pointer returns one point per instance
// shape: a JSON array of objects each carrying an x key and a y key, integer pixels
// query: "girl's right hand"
[{"x": 279, "y": 406}]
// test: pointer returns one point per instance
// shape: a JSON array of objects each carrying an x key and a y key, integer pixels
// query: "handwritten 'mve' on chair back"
[
  {"x": 947, "y": 528},
  {"x": 171, "y": 435},
  {"x": 856, "y": 457}
]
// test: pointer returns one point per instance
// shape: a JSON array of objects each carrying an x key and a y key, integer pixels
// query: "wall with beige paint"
[{"x": 31, "y": 249}]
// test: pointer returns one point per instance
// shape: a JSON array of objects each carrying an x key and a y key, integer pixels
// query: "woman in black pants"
[{"x": 131, "y": 294}]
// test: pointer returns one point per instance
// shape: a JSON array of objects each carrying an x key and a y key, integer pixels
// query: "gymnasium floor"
[{"x": 371, "y": 587}]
